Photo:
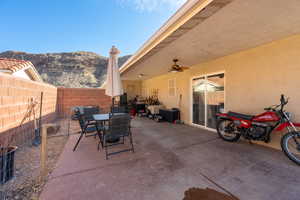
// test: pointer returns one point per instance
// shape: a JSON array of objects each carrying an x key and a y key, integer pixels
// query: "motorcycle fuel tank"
[{"x": 266, "y": 117}]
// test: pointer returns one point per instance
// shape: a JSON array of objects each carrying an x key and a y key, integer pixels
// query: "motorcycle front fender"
[{"x": 286, "y": 124}]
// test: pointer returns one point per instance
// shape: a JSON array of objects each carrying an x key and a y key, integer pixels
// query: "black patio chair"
[
  {"x": 87, "y": 124},
  {"x": 89, "y": 111},
  {"x": 119, "y": 109},
  {"x": 118, "y": 129}
]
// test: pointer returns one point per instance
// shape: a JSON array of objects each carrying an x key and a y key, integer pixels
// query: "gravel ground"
[{"x": 27, "y": 184}]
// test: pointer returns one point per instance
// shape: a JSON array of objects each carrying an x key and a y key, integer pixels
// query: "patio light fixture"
[
  {"x": 173, "y": 70},
  {"x": 141, "y": 75}
]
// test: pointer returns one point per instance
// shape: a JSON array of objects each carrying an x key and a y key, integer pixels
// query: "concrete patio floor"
[{"x": 170, "y": 159}]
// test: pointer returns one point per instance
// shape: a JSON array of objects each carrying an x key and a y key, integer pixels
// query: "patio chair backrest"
[
  {"x": 80, "y": 118},
  {"x": 119, "y": 109},
  {"x": 119, "y": 125},
  {"x": 75, "y": 111},
  {"x": 88, "y": 112}
]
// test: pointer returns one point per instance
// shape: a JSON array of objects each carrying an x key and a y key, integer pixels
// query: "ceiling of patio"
[{"x": 222, "y": 28}]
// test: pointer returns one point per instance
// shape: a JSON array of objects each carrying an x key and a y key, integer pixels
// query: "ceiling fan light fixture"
[
  {"x": 173, "y": 70},
  {"x": 141, "y": 75},
  {"x": 176, "y": 67}
]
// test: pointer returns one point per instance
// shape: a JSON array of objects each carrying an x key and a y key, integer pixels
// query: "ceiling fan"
[{"x": 177, "y": 68}]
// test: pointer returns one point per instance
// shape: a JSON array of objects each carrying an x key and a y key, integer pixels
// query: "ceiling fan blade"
[{"x": 174, "y": 69}]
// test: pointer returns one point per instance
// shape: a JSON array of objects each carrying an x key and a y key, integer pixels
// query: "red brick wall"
[
  {"x": 15, "y": 98},
  {"x": 70, "y": 97}
]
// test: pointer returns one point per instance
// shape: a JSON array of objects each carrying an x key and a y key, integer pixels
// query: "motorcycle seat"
[{"x": 239, "y": 115}]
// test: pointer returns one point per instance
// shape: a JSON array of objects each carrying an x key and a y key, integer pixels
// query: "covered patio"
[{"x": 168, "y": 160}]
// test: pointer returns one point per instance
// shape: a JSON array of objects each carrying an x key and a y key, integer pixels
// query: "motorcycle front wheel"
[
  {"x": 227, "y": 130},
  {"x": 290, "y": 144}
]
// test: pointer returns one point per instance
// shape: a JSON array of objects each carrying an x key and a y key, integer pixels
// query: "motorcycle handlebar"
[
  {"x": 273, "y": 108},
  {"x": 283, "y": 102},
  {"x": 282, "y": 99}
]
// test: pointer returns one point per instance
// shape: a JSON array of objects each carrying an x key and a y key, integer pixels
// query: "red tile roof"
[{"x": 13, "y": 64}]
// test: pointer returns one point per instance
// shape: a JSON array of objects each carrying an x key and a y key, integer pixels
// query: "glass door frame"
[{"x": 205, "y": 98}]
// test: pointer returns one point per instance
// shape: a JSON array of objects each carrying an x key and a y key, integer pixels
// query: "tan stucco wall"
[{"x": 254, "y": 79}]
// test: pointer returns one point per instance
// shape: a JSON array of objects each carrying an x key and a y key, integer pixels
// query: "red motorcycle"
[{"x": 231, "y": 126}]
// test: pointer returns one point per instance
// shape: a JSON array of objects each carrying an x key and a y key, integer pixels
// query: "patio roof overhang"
[{"x": 203, "y": 30}]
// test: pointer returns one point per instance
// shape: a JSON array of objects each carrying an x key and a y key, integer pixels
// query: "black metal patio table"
[{"x": 105, "y": 117}]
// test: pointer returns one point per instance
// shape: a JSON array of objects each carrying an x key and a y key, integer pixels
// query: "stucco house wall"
[{"x": 254, "y": 79}]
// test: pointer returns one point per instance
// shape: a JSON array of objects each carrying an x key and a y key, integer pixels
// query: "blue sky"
[{"x": 40, "y": 26}]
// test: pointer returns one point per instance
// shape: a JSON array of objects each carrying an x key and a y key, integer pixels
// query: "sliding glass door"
[
  {"x": 208, "y": 99},
  {"x": 199, "y": 101}
]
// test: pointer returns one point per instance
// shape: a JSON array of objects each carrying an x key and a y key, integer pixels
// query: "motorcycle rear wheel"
[
  {"x": 290, "y": 147},
  {"x": 229, "y": 135}
]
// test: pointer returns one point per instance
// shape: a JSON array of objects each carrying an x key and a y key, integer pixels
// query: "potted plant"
[{"x": 7, "y": 166}]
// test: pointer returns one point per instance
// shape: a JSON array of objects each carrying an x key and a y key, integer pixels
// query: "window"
[{"x": 172, "y": 87}]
